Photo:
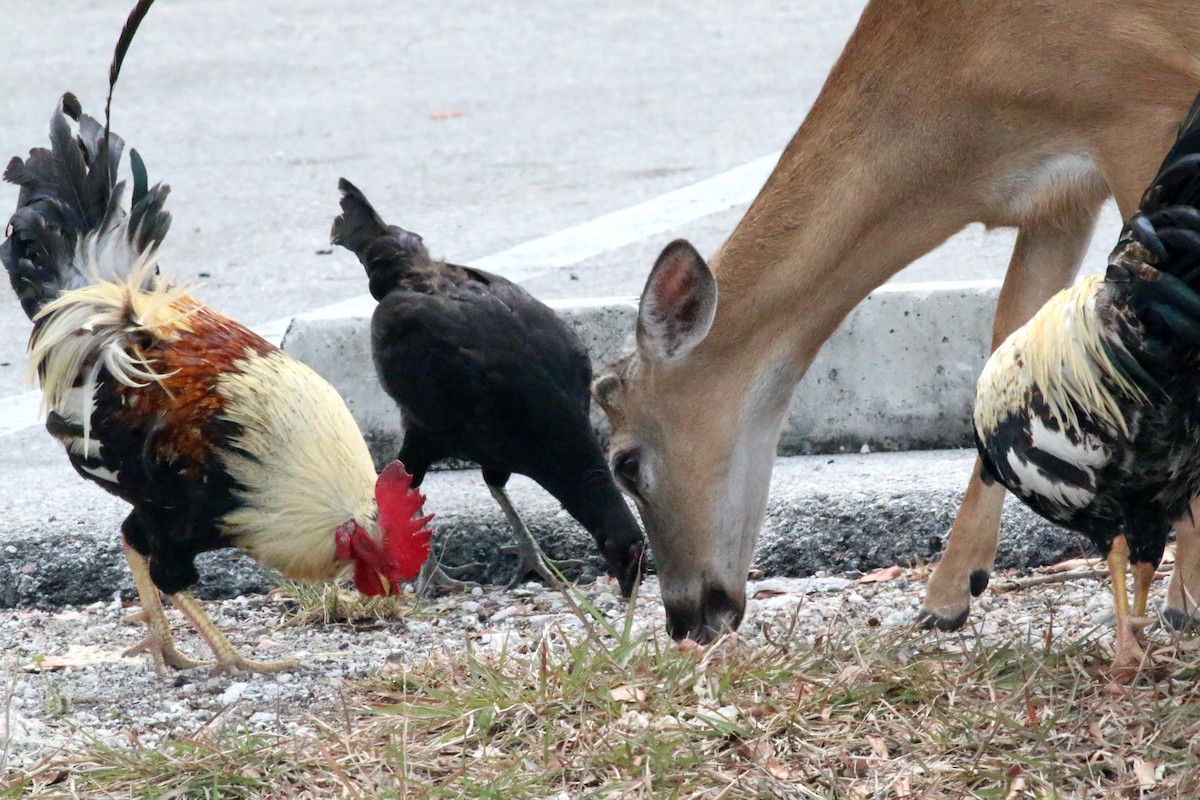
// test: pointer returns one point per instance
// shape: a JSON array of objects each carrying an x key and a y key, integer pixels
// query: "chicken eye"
[{"x": 627, "y": 466}]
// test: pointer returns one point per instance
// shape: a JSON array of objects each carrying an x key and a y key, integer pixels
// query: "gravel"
[{"x": 50, "y": 706}]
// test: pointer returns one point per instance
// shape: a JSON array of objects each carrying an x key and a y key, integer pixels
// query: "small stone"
[
  {"x": 477, "y": 591},
  {"x": 865, "y": 449},
  {"x": 234, "y": 692},
  {"x": 471, "y": 607},
  {"x": 503, "y": 614}
]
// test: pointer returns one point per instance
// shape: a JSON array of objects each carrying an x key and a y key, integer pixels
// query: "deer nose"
[{"x": 716, "y": 611}]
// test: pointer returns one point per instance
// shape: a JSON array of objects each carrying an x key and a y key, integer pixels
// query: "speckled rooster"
[
  {"x": 214, "y": 436},
  {"x": 1090, "y": 413}
]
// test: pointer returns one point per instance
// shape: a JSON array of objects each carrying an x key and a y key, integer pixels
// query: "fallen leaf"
[
  {"x": 267, "y": 643},
  {"x": 757, "y": 751},
  {"x": 878, "y": 746},
  {"x": 902, "y": 787},
  {"x": 76, "y": 656},
  {"x": 778, "y": 770},
  {"x": 68, "y": 616},
  {"x": 850, "y": 672},
  {"x": 1017, "y": 789},
  {"x": 761, "y": 710},
  {"x": 881, "y": 575},
  {"x": 447, "y": 114},
  {"x": 766, "y": 594},
  {"x": 627, "y": 694},
  {"x": 1145, "y": 771}
]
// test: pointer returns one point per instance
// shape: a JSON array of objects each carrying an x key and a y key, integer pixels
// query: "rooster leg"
[
  {"x": 1143, "y": 576},
  {"x": 159, "y": 643},
  {"x": 531, "y": 557},
  {"x": 1128, "y": 654},
  {"x": 229, "y": 660}
]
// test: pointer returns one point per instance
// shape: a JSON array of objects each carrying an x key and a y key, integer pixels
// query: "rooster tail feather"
[
  {"x": 1167, "y": 223},
  {"x": 128, "y": 30},
  {"x": 69, "y": 229},
  {"x": 385, "y": 251},
  {"x": 1164, "y": 234}
]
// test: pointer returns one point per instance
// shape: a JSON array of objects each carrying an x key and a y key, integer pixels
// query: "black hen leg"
[
  {"x": 529, "y": 554},
  {"x": 416, "y": 454}
]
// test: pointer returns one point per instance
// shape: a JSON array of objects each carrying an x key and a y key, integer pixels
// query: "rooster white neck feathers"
[{"x": 1060, "y": 352}]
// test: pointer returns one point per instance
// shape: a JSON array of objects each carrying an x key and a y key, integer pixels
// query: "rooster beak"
[{"x": 385, "y": 583}]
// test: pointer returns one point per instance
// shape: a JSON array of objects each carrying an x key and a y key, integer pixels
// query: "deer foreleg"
[{"x": 1044, "y": 261}]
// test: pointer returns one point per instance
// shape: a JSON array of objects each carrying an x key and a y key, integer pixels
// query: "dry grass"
[{"x": 617, "y": 715}]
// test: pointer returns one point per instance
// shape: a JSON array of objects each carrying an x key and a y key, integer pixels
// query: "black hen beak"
[{"x": 625, "y": 563}]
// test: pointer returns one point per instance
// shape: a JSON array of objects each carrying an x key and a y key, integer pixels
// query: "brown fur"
[{"x": 937, "y": 114}]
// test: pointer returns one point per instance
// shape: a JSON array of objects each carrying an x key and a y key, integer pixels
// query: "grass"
[{"x": 619, "y": 714}]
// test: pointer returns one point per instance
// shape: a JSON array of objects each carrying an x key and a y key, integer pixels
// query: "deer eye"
[{"x": 627, "y": 467}]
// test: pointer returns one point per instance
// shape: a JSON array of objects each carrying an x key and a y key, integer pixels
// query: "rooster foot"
[
  {"x": 164, "y": 653},
  {"x": 1129, "y": 657},
  {"x": 531, "y": 559},
  {"x": 236, "y": 665},
  {"x": 136, "y": 618},
  {"x": 435, "y": 576}
]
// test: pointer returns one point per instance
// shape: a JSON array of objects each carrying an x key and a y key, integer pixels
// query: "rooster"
[
  {"x": 483, "y": 371},
  {"x": 1090, "y": 413},
  {"x": 215, "y": 437}
]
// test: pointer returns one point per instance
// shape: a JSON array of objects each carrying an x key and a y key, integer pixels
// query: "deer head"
[{"x": 694, "y": 431}]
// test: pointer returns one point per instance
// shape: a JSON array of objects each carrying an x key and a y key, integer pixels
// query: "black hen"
[
  {"x": 1090, "y": 413},
  {"x": 484, "y": 372}
]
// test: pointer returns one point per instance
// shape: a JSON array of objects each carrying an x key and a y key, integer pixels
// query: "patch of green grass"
[
  {"x": 617, "y": 714},
  {"x": 333, "y": 603}
]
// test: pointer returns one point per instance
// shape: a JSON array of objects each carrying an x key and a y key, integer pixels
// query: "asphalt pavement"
[{"x": 479, "y": 125}]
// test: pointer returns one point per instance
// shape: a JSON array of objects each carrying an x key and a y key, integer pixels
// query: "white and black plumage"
[
  {"x": 482, "y": 371},
  {"x": 1090, "y": 413}
]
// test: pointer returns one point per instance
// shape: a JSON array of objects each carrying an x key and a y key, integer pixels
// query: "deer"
[{"x": 937, "y": 114}]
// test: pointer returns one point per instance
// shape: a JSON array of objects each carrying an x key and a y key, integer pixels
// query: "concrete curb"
[
  {"x": 826, "y": 513},
  {"x": 899, "y": 374}
]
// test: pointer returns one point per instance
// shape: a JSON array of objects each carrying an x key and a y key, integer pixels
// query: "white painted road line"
[
  {"x": 528, "y": 260},
  {"x": 629, "y": 225}
]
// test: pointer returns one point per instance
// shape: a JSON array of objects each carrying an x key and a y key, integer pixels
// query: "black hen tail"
[
  {"x": 1167, "y": 226},
  {"x": 69, "y": 228},
  {"x": 385, "y": 251}
]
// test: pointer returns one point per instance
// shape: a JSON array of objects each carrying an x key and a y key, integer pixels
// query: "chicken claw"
[
  {"x": 531, "y": 558},
  {"x": 229, "y": 660},
  {"x": 164, "y": 653}
]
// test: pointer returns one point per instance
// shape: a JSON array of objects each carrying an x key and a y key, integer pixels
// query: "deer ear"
[{"x": 678, "y": 303}]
